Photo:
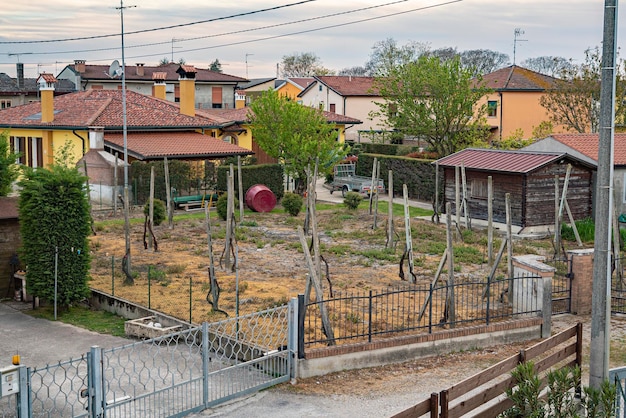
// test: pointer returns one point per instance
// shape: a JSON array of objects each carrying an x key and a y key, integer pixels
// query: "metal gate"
[
  {"x": 170, "y": 376},
  {"x": 561, "y": 285}
]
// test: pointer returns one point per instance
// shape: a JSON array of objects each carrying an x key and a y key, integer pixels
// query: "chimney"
[
  {"x": 46, "y": 88},
  {"x": 96, "y": 138},
  {"x": 20, "y": 75},
  {"x": 158, "y": 90},
  {"x": 240, "y": 99},
  {"x": 140, "y": 72},
  {"x": 187, "y": 81},
  {"x": 79, "y": 65}
]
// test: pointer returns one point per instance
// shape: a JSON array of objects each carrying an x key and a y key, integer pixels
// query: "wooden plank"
[
  {"x": 483, "y": 377},
  {"x": 496, "y": 409},
  {"x": 550, "y": 343},
  {"x": 417, "y": 410},
  {"x": 555, "y": 358},
  {"x": 482, "y": 398}
]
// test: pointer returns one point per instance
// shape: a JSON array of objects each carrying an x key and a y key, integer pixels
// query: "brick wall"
[{"x": 581, "y": 282}]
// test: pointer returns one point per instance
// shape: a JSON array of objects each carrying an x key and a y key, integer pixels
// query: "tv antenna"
[
  {"x": 516, "y": 34},
  {"x": 177, "y": 47},
  {"x": 247, "y": 55}
]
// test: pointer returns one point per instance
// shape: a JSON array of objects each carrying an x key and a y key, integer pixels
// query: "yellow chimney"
[
  {"x": 240, "y": 99},
  {"x": 158, "y": 90},
  {"x": 186, "y": 79},
  {"x": 46, "y": 88}
]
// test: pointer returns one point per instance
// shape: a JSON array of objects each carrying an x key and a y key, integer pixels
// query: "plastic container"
[{"x": 260, "y": 198}]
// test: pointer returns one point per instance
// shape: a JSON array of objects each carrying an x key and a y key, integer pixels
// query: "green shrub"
[
  {"x": 352, "y": 200},
  {"x": 222, "y": 206},
  {"x": 292, "y": 202},
  {"x": 158, "y": 211}
]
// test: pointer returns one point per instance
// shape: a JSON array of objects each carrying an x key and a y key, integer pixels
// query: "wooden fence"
[{"x": 485, "y": 390}]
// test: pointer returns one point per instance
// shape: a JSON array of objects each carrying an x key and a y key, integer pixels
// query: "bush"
[
  {"x": 352, "y": 200},
  {"x": 292, "y": 202},
  {"x": 158, "y": 211},
  {"x": 222, "y": 206}
]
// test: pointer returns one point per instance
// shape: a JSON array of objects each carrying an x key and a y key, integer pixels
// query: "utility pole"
[{"x": 601, "y": 288}]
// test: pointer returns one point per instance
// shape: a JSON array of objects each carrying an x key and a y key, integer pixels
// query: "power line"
[
  {"x": 160, "y": 28},
  {"x": 230, "y": 33}
]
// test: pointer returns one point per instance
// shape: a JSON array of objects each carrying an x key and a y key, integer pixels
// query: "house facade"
[
  {"x": 585, "y": 148},
  {"x": 348, "y": 96},
  {"x": 292, "y": 87},
  {"x": 515, "y": 101},
  {"x": 213, "y": 89},
  {"x": 15, "y": 91},
  {"x": 529, "y": 178}
]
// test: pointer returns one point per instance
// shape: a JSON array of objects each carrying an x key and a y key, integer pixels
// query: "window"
[
  {"x": 478, "y": 188},
  {"x": 320, "y": 87},
  {"x": 321, "y": 106},
  {"x": 30, "y": 150},
  {"x": 5, "y": 104},
  {"x": 332, "y": 107},
  {"x": 492, "y": 108}
]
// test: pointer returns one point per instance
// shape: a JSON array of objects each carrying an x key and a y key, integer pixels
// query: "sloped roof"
[
  {"x": 500, "y": 160},
  {"x": 104, "y": 108},
  {"x": 99, "y": 72},
  {"x": 346, "y": 85},
  {"x": 181, "y": 145},
  {"x": 254, "y": 82},
  {"x": 243, "y": 116},
  {"x": 301, "y": 82},
  {"x": 587, "y": 144},
  {"x": 8, "y": 85},
  {"x": 518, "y": 78}
]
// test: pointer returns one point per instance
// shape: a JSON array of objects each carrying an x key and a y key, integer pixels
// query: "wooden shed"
[
  {"x": 528, "y": 176},
  {"x": 9, "y": 243}
]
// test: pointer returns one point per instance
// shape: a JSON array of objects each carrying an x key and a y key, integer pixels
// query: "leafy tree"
[
  {"x": 305, "y": 64},
  {"x": 574, "y": 100},
  {"x": 9, "y": 170},
  {"x": 295, "y": 134},
  {"x": 216, "y": 66},
  {"x": 182, "y": 61},
  {"x": 387, "y": 54},
  {"x": 548, "y": 65},
  {"x": 483, "y": 61},
  {"x": 436, "y": 101},
  {"x": 54, "y": 214}
]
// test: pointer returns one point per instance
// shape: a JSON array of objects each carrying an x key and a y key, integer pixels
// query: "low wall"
[{"x": 326, "y": 360}]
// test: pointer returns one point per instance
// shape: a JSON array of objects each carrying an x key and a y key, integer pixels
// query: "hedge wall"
[
  {"x": 388, "y": 149},
  {"x": 417, "y": 174},
  {"x": 271, "y": 175}
]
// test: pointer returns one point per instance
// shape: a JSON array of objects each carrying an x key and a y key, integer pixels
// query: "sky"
[{"x": 252, "y": 44}]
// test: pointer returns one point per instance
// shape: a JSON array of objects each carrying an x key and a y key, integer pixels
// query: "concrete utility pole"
[{"x": 600, "y": 301}]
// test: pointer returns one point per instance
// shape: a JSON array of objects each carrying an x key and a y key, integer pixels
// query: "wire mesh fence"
[{"x": 357, "y": 317}]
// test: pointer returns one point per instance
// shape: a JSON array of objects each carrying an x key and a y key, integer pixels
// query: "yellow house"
[
  {"x": 92, "y": 121},
  {"x": 291, "y": 87},
  {"x": 514, "y": 103}
]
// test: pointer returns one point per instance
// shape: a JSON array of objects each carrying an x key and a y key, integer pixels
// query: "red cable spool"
[{"x": 260, "y": 198}]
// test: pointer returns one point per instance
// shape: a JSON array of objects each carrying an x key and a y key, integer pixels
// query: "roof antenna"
[{"x": 516, "y": 34}]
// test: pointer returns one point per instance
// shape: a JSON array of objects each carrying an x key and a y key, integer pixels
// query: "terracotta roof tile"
[
  {"x": 499, "y": 160},
  {"x": 183, "y": 145},
  {"x": 242, "y": 116},
  {"x": 159, "y": 75},
  {"x": 48, "y": 78},
  {"x": 587, "y": 144},
  {"x": 104, "y": 108},
  {"x": 517, "y": 78},
  {"x": 349, "y": 85}
]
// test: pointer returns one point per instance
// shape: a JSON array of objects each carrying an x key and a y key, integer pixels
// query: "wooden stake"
[
  {"x": 450, "y": 251},
  {"x": 407, "y": 230},
  {"x": 457, "y": 194},
  {"x": 168, "y": 194},
  {"x": 557, "y": 223},
  {"x": 437, "y": 192},
  {"x": 466, "y": 213},
  {"x": 374, "y": 178},
  {"x": 490, "y": 221},
  {"x": 240, "y": 181},
  {"x": 442, "y": 262},
  {"x": 151, "y": 205},
  {"x": 390, "y": 228},
  {"x": 509, "y": 241},
  {"x": 115, "y": 191}
]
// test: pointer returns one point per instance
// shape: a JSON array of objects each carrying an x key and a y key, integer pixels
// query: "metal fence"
[
  {"x": 618, "y": 377},
  {"x": 172, "y": 375},
  {"x": 561, "y": 285},
  {"x": 357, "y": 317},
  {"x": 618, "y": 288}
]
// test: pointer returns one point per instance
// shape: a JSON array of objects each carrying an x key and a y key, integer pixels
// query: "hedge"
[
  {"x": 271, "y": 175},
  {"x": 417, "y": 174},
  {"x": 388, "y": 149}
]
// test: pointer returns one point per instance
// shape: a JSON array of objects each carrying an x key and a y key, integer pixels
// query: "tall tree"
[
  {"x": 435, "y": 100},
  {"x": 548, "y": 65},
  {"x": 387, "y": 54},
  {"x": 9, "y": 170},
  {"x": 305, "y": 64},
  {"x": 293, "y": 133},
  {"x": 355, "y": 71},
  {"x": 483, "y": 61},
  {"x": 574, "y": 100},
  {"x": 216, "y": 66},
  {"x": 54, "y": 225}
]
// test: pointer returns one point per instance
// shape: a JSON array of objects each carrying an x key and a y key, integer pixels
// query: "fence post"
[
  {"x": 23, "y": 403},
  {"x": 94, "y": 376},
  {"x": 205, "y": 364},
  {"x": 293, "y": 338},
  {"x": 300, "y": 326},
  {"x": 443, "y": 401},
  {"x": 112, "y": 275},
  {"x": 434, "y": 405},
  {"x": 488, "y": 297},
  {"x": 369, "y": 320},
  {"x": 190, "y": 298},
  {"x": 581, "y": 280},
  {"x": 430, "y": 310},
  {"x": 149, "y": 306}
]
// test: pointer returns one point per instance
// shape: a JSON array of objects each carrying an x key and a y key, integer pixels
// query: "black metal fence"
[
  {"x": 618, "y": 288},
  {"x": 561, "y": 285},
  {"x": 359, "y": 317}
]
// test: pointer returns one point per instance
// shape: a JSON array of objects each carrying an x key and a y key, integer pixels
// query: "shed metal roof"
[{"x": 500, "y": 160}]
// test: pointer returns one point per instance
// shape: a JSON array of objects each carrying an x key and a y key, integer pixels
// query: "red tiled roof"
[
  {"x": 48, "y": 78},
  {"x": 350, "y": 85},
  {"x": 517, "y": 78},
  {"x": 8, "y": 207},
  {"x": 303, "y": 82},
  {"x": 243, "y": 116},
  {"x": 159, "y": 75},
  {"x": 587, "y": 144},
  {"x": 182, "y": 145},
  {"x": 99, "y": 72},
  {"x": 499, "y": 160},
  {"x": 104, "y": 108}
]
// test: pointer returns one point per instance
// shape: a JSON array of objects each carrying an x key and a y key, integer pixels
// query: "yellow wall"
[
  {"x": 289, "y": 90},
  {"x": 517, "y": 110},
  {"x": 52, "y": 141}
]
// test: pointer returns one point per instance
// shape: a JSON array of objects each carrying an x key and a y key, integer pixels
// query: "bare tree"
[
  {"x": 387, "y": 55},
  {"x": 483, "y": 61},
  {"x": 548, "y": 65},
  {"x": 355, "y": 71},
  {"x": 305, "y": 64}
]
